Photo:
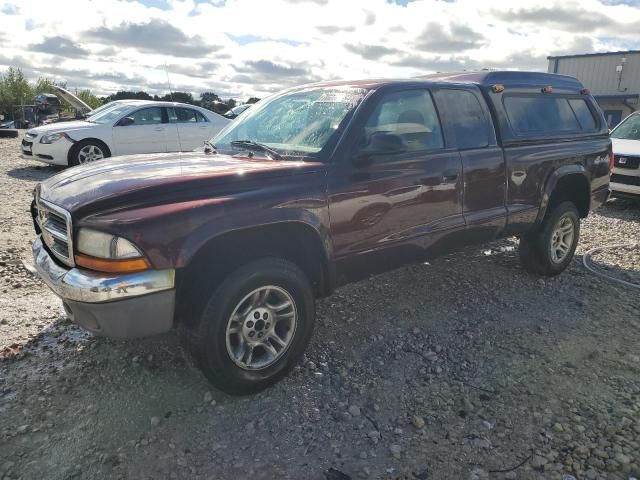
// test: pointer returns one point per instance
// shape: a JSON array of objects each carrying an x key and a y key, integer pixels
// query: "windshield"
[
  {"x": 109, "y": 115},
  {"x": 295, "y": 123},
  {"x": 104, "y": 107},
  {"x": 239, "y": 109},
  {"x": 629, "y": 129}
]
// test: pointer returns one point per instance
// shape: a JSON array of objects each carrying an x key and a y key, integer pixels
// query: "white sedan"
[
  {"x": 126, "y": 128},
  {"x": 625, "y": 139}
]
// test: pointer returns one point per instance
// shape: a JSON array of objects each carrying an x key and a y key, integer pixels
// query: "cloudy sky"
[{"x": 241, "y": 48}]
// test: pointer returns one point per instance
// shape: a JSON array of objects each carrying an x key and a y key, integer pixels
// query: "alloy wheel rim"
[
  {"x": 261, "y": 328},
  {"x": 90, "y": 153},
  {"x": 562, "y": 239}
]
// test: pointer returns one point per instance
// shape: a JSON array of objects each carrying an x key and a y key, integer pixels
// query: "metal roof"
[{"x": 601, "y": 54}]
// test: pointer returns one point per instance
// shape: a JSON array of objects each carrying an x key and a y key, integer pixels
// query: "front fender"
[
  {"x": 313, "y": 215},
  {"x": 170, "y": 234}
]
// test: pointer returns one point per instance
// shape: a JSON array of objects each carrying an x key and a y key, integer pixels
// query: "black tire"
[
  {"x": 536, "y": 247},
  {"x": 74, "y": 153},
  {"x": 207, "y": 340}
]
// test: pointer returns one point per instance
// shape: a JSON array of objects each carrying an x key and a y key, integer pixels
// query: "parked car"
[
  {"x": 6, "y": 123},
  {"x": 625, "y": 179},
  {"x": 130, "y": 127},
  {"x": 235, "y": 111},
  {"x": 233, "y": 244}
]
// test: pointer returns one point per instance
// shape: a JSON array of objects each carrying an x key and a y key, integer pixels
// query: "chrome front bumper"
[{"x": 131, "y": 305}]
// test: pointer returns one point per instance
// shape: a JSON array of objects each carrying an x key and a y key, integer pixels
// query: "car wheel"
[
  {"x": 255, "y": 326},
  {"x": 549, "y": 250},
  {"x": 88, "y": 151}
]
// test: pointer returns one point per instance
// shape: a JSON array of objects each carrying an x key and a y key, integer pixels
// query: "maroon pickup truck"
[{"x": 311, "y": 188}]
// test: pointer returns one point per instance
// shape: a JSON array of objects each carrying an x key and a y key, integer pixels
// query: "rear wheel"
[
  {"x": 255, "y": 326},
  {"x": 88, "y": 151},
  {"x": 549, "y": 250}
]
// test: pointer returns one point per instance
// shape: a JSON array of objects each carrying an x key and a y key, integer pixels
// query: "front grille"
[
  {"x": 56, "y": 229},
  {"x": 625, "y": 179},
  {"x": 623, "y": 161}
]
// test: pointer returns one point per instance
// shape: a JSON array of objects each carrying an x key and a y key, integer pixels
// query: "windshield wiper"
[{"x": 251, "y": 145}]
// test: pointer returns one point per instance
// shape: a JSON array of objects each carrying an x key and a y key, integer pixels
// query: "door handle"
[{"x": 449, "y": 176}]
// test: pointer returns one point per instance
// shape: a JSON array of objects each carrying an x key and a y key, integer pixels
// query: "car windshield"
[
  {"x": 239, "y": 109},
  {"x": 295, "y": 123},
  {"x": 104, "y": 107},
  {"x": 629, "y": 129},
  {"x": 110, "y": 115}
]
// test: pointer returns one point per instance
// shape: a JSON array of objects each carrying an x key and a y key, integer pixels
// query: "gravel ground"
[{"x": 465, "y": 367}]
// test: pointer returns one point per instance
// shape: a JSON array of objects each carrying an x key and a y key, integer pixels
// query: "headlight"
[
  {"x": 108, "y": 253},
  {"x": 53, "y": 137}
]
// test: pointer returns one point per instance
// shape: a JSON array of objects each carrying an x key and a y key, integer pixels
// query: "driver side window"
[
  {"x": 147, "y": 116},
  {"x": 410, "y": 116}
]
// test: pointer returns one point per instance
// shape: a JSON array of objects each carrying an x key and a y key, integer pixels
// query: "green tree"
[
  {"x": 208, "y": 100},
  {"x": 128, "y": 95},
  {"x": 44, "y": 85},
  {"x": 14, "y": 89},
  {"x": 182, "y": 97},
  {"x": 253, "y": 100},
  {"x": 89, "y": 98}
]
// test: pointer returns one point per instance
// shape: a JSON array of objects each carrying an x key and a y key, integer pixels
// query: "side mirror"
[
  {"x": 379, "y": 143},
  {"x": 126, "y": 121},
  {"x": 385, "y": 143}
]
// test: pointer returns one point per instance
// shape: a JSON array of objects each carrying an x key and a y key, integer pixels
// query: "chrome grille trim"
[{"x": 57, "y": 230}]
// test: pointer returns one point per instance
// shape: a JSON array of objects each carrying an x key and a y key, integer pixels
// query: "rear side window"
[
  {"x": 185, "y": 115},
  {"x": 545, "y": 114},
  {"x": 583, "y": 114},
  {"x": 467, "y": 118},
  {"x": 201, "y": 117}
]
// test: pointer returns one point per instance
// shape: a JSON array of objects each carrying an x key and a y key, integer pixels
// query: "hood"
[
  {"x": 61, "y": 127},
  {"x": 626, "y": 147},
  {"x": 140, "y": 180},
  {"x": 70, "y": 98}
]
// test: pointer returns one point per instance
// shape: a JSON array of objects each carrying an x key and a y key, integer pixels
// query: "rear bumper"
[
  {"x": 623, "y": 188},
  {"x": 117, "y": 306}
]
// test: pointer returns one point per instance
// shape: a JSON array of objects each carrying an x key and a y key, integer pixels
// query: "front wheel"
[
  {"x": 549, "y": 250},
  {"x": 88, "y": 151},
  {"x": 254, "y": 327}
]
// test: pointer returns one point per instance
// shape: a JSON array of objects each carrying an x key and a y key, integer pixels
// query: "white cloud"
[{"x": 242, "y": 48}]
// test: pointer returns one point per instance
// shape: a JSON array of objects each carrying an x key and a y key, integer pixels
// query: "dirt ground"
[{"x": 462, "y": 368}]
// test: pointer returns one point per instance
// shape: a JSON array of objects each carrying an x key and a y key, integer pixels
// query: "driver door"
[
  {"x": 400, "y": 192},
  {"x": 147, "y": 133}
]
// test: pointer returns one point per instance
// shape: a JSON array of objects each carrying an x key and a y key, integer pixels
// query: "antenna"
[{"x": 166, "y": 70}]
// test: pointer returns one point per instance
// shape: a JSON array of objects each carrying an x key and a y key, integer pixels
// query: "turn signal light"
[
  {"x": 128, "y": 265},
  {"x": 585, "y": 91},
  {"x": 498, "y": 88},
  {"x": 547, "y": 89}
]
